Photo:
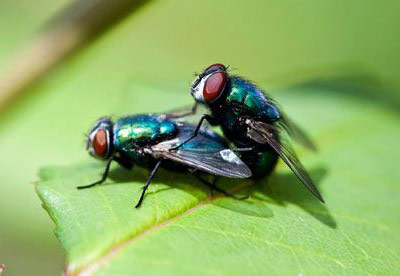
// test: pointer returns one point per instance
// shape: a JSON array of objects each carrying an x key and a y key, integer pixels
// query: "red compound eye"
[
  {"x": 217, "y": 66},
  {"x": 100, "y": 143},
  {"x": 214, "y": 86}
]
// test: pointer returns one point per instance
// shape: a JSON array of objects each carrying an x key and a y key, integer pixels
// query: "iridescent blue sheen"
[
  {"x": 146, "y": 130},
  {"x": 244, "y": 100},
  {"x": 244, "y": 92},
  {"x": 250, "y": 119},
  {"x": 141, "y": 130},
  {"x": 154, "y": 141},
  {"x": 167, "y": 127},
  {"x": 209, "y": 140}
]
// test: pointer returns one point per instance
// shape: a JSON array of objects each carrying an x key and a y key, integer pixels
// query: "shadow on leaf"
[
  {"x": 280, "y": 189},
  {"x": 187, "y": 182},
  {"x": 174, "y": 180},
  {"x": 283, "y": 189},
  {"x": 250, "y": 207}
]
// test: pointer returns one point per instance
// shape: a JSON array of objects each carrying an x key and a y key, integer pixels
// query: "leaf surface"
[{"x": 280, "y": 229}]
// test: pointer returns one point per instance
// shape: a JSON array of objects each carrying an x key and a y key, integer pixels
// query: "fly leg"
[
  {"x": 178, "y": 116},
  {"x": 210, "y": 185},
  {"x": 144, "y": 188},
  {"x": 207, "y": 117},
  {"x": 215, "y": 187},
  {"x": 103, "y": 178}
]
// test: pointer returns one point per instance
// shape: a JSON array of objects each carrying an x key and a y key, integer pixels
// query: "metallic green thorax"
[
  {"x": 142, "y": 130},
  {"x": 244, "y": 92},
  {"x": 241, "y": 92},
  {"x": 247, "y": 99},
  {"x": 134, "y": 133},
  {"x": 244, "y": 100}
]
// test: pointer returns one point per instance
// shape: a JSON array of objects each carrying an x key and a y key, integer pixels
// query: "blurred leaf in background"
[{"x": 323, "y": 45}]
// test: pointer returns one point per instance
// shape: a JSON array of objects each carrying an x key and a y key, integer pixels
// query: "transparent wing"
[
  {"x": 223, "y": 163},
  {"x": 266, "y": 134},
  {"x": 296, "y": 132},
  {"x": 205, "y": 152},
  {"x": 292, "y": 129}
]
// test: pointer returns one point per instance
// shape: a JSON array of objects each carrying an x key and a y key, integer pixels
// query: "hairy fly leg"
[
  {"x": 103, "y": 177},
  {"x": 207, "y": 117},
  {"x": 173, "y": 114},
  {"x": 144, "y": 188}
]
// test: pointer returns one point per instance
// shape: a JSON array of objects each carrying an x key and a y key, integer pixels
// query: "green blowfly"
[
  {"x": 152, "y": 141},
  {"x": 249, "y": 118}
]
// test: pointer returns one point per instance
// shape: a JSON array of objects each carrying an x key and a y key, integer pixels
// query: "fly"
[
  {"x": 249, "y": 118},
  {"x": 150, "y": 141}
]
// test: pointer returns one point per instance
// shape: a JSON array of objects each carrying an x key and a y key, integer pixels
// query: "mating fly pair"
[{"x": 249, "y": 119}]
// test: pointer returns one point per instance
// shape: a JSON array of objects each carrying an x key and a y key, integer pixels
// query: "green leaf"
[{"x": 280, "y": 229}]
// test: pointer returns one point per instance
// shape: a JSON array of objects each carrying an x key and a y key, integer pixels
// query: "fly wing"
[
  {"x": 266, "y": 134},
  {"x": 296, "y": 132},
  {"x": 204, "y": 152},
  {"x": 223, "y": 163},
  {"x": 293, "y": 130}
]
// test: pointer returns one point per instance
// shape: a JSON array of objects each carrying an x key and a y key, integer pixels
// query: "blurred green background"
[{"x": 347, "y": 43}]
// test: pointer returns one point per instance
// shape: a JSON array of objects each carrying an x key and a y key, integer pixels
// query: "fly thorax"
[
  {"x": 273, "y": 113},
  {"x": 167, "y": 129}
]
